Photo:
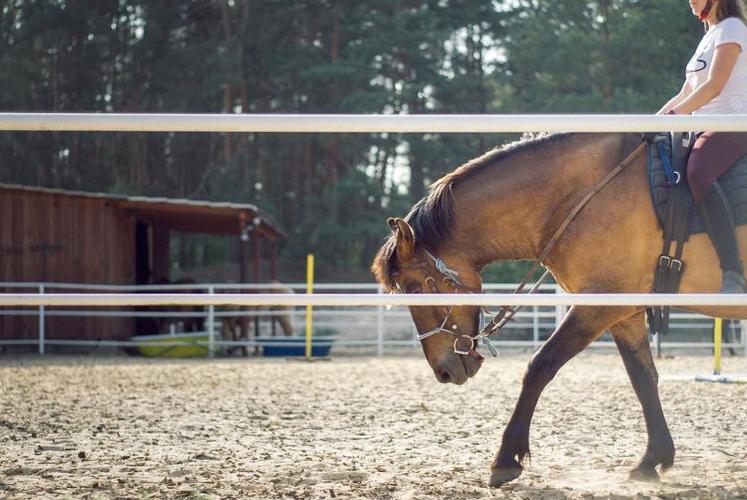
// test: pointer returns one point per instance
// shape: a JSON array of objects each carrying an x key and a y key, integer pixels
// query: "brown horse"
[
  {"x": 161, "y": 324},
  {"x": 281, "y": 314},
  {"x": 506, "y": 205}
]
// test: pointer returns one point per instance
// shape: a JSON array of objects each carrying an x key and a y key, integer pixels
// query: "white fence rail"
[
  {"x": 315, "y": 123},
  {"x": 347, "y": 300},
  {"x": 370, "y": 326}
]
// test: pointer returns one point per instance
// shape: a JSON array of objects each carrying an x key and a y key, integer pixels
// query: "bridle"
[
  {"x": 466, "y": 344},
  {"x": 463, "y": 344}
]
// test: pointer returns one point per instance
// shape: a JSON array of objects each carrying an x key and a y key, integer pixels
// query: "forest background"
[{"x": 331, "y": 192}]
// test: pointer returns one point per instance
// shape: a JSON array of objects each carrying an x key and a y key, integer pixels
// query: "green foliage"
[
  {"x": 332, "y": 192},
  {"x": 598, "y": 56},
  {"x": 510, "y": 272}
]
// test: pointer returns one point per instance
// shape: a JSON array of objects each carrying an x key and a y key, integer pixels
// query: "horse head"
[{"x": 446, "y": 333}]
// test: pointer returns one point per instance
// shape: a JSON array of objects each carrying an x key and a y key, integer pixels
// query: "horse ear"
[{"x": 405, "y": 237}]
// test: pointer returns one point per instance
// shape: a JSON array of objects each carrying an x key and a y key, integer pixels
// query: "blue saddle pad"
[{"x": 733, "y": 182}]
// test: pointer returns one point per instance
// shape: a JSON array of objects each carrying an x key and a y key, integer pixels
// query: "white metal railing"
[
  {"x": 377, "y": 326},
  {"x": 367, "y": 299},
  {"x": 315, "y": 123}
]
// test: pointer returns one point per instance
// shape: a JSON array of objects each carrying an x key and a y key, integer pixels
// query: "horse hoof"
[
  {"x": 500, "y": 476},
  {"x": 647, "y": 475}
]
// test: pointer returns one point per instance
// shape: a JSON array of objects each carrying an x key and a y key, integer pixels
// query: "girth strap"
[{"x": 669, "y": 266}]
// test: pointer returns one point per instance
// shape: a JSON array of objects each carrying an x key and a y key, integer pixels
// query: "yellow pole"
[
  {"x": 309, "y": 290},
  {"x": 717, "y": 326}
]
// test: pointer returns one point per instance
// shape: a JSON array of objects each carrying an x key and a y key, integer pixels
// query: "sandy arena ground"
[{"x": 351, "y": 427}]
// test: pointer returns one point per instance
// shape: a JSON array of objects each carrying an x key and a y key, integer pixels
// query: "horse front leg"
[
  {"x": 243, "y": 323},
  {"x": 578, "y": 329},
  {"x": 283, "y": 315},
  {"x": 632, "y": 342}
]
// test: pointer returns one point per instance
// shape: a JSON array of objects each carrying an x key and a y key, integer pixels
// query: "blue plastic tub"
[{"x": 294, "y": 346}]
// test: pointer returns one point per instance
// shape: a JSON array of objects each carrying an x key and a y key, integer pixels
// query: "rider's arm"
[
  {"x": 724, "y": 59},
  {"x": 684, "y": 92}
]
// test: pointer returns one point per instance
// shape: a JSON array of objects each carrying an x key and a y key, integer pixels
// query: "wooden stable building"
[{"x": 58, "y": 236}]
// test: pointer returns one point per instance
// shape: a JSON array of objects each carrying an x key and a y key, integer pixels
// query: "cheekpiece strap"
[{"x": 442, "y": 268}]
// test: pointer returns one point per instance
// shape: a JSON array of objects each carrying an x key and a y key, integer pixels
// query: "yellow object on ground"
[
  {"x": 190, "y": 345},
  {"x": 718, "y": 325},
  {"x": 717, "y": 376}
]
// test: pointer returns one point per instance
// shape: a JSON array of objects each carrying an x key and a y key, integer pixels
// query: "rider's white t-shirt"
[{"x": 733, "y": 97}]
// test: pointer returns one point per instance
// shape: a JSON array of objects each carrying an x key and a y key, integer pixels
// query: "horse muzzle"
[{"x": 458, "y": 369}]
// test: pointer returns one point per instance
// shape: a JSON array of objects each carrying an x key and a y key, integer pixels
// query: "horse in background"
[
  {"x": 161, "y": 324},
  {"x": 236, "y": 328}
]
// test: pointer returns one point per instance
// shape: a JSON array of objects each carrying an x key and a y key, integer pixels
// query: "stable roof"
[{"x": 179, "y": 214}]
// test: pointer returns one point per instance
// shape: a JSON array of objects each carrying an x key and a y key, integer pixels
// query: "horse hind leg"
[
  {"x": 230, "y": 333},
  {"x": 632, "y": 343}
]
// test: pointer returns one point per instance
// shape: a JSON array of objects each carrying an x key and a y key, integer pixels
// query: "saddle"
[
  {"x": 673, "y": 203},
  {"x": 733, "y": 182}
]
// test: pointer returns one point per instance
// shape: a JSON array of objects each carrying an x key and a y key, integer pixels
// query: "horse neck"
[{"x": 509, "y": 210}]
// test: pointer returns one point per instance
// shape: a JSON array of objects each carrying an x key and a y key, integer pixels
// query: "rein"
[
  {"x": 506, "y": 312},
  {"x": 465, "y": 344}
]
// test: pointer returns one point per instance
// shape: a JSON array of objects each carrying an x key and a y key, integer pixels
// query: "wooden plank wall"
[{"x": 65, "y": 239}]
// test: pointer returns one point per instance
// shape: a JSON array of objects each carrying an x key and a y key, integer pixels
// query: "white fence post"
[
  {"x": 42, "y": 333},
  {"x": 211, "y": 325},
  {"x": 658, "y": 345},
  {"x": 380, "y": 326},
  {"x": 535, "y": 327},
  {"x": 559, "y": 310}
]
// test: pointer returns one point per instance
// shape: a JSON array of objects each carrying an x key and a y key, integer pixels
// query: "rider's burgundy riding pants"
[{"x": 712, "y": 155}]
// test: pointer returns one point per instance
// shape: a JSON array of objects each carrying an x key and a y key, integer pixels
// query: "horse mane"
[{"x": 432, "y": 218}]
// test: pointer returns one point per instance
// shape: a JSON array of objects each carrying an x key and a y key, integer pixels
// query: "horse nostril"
[{"x": 442, "y": 375}]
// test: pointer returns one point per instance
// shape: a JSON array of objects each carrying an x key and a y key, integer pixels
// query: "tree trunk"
[
  {"x": 227, "y": 91},
  {"x": 333, "y": 156}
]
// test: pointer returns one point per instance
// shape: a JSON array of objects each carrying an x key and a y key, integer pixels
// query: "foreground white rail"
[
  {"x": 144, "y": 122},
  {"x": 337, "y": 299}
]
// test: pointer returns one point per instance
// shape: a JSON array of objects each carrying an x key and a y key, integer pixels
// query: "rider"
[{"x": 716, "y": 83}]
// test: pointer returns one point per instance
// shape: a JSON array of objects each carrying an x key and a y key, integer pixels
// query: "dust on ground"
[{"x": 352, "y": 427}]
